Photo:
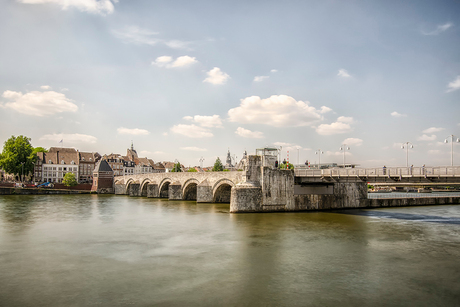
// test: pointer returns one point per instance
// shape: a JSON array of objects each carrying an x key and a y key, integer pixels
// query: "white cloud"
[
  {"x": 248, "y": 133},
  {"x": 135, "y": 131},
  {"x": 282, "y": 144},
  {"x": 206, "y": 121},
  {"x": 396, "y": 114},
  {"x": 353, "y": 141},
  {"x": 69, "y": 138},
  {"x": 162, "y": 61},
  {"x": 183, "y": 61},
  {"x": 454, "y": 85},
  {"x": 434, "y": 151},
  {"x": 427, "y": 137},
  {"x": 45, "y": 87},
  {"x": 334, "y": 128},
  {"x": 342, "y": 125},
  {"x": 90, "y": 6},
  {"x": 344, "y": 119},
  {"x": 191, "y": 131},
  {"x": 39, "y": 103},
  {"x": 177, "y": 44},
  {"x": 273, "y": 70},
  {"x": 343, "y": 73},
  {"x": 216, "y": 76},
  {"x": 167, "y": 61},
  {"x": 337, "y": 153},
  {"x": 432, "y": 130},
  {"x": 277, "y": 110},
  {"x": 139, "y": 36},
  {"x": 260, "y": 78},
  {"x": 325, "y": 109},
  {"x": 439, "y": 29},
  {"x": 289, "y": 146},
  {"x": 193, "y": 149}
]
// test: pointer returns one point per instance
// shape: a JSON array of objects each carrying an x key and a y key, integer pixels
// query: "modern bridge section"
[
  {"x": 389, "y": 175},
  {"x": 202, "y": 187}
]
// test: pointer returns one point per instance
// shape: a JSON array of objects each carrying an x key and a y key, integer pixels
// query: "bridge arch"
[
  {"x": 128, "y": 183},
  {"x": 189, "y": 189},
  {"x": 221, "y": 191},
  {"x": 143, "y": 188},
  {"x": 163, "y": 187}
]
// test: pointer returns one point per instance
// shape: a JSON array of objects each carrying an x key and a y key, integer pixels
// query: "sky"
[{"x": 189, "y": 79}]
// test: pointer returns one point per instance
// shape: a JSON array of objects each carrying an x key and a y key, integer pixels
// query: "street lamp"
[
  {"x": 406, "y": 146},
  {"x": 279, "y": 154},
  {"x": 319, "y": 153},
  {"x": 452, "y": 146},
  {"x": 344, "y": 148}
]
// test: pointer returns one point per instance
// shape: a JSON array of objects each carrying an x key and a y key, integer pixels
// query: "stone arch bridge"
[{"x": 199, "y": 186}]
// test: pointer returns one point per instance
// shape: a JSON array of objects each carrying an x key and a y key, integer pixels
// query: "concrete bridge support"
[
  {"x": 120, "y": 189},
  {"x": 204, "y": 192},
  {"x": 134, "y": 189},
  {"x": 337, "y": 196},
  {"x": 175, "y": 191},
  {"x": 153, "y": 190},
  {"x": 246, "y": 197}
]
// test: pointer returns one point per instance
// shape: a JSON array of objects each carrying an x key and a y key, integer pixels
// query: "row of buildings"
[
  {"x": 54, "y": 164},
  {"x": 51, "y": 166}
]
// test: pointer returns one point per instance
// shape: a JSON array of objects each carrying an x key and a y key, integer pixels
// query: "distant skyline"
[{"x": 191, "y": 79}]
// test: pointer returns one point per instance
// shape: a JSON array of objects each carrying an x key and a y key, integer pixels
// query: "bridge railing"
[{"x": 439, "y": 171}]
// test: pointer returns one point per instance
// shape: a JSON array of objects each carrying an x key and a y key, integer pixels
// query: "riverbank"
[{"x": 39, "y": 191}]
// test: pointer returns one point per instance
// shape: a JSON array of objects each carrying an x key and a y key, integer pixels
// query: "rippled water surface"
[{"x": 88, "y": 250}]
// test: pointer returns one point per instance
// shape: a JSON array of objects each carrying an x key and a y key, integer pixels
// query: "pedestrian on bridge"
[{"x": 384, "y": 170}]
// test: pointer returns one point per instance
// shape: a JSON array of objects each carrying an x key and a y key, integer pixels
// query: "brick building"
[
  {"x": 53, "y": 165},
  {"x": 103, "y": 178}
]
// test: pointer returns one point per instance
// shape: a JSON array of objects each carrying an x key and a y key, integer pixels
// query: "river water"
[{"x": 89, "y": 250}]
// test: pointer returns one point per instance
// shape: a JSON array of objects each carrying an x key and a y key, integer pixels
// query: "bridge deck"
[{"x": 389, "y": 174}]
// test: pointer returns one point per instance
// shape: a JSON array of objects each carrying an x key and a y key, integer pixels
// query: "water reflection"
[{"x": 115, "y": 250}]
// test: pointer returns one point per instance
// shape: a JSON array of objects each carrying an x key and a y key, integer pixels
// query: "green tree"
[
  {"x": 286, "y": 165},
  {"x": 69, "y": 180},
  {"x": 177, "y": 168},
  {"x": 192, "y": 170},
  {"x": 218, "y": 167},
  {"x": 39, "y": 149},
  {"x": 17, "y": 156}
]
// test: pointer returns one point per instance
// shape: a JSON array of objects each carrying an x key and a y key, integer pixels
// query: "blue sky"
[{"x": 185, "y": 79}]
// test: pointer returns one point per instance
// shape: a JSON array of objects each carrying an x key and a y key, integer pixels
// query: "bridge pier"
[
  {"x": 134, "y": 189},
  {"x": 337, "y": 195},
  {"x": 153, "y": 190},
  {"x": 119, "y": 189},
  {"x": 264, "y": 189},
  {"x": 204, "y": 192},
  {"x": 175, "y": 191}
]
